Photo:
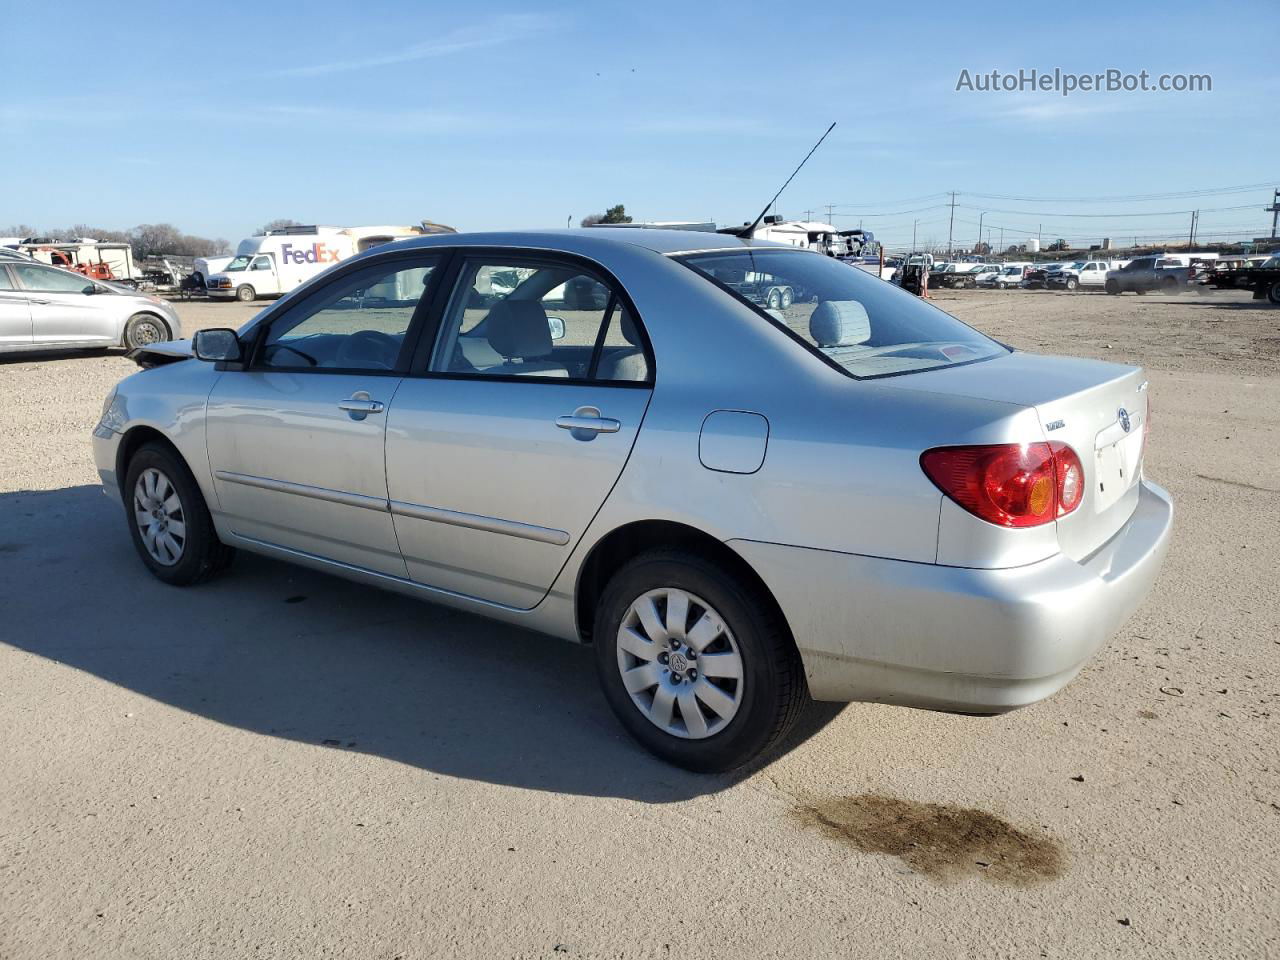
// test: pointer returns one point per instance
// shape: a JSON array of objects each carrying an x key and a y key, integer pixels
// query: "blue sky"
[{"x": 522, "y": 115}]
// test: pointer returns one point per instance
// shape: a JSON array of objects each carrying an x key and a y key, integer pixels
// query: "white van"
[
  {"x": 206, "y": 267},
  {"x": 271, "y": 265}
]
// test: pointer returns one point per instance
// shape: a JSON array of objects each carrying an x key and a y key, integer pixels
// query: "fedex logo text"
[{"x": 316, "y": 253}]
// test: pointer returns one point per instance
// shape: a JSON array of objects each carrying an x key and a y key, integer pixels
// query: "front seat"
[
  {"x": 626, "y": 364},
  {"x": 518, "y": 332}
]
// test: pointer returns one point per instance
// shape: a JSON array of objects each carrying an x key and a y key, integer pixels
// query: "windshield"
[
  {"x": 1272, "y": 264},
  {"x": 853, "y": 320},
  {"x": 239, "y": 263}
]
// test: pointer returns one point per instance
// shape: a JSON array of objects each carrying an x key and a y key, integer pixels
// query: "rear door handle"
[
  {"x": 34, "y": 300},
  {"x": 585, "y": 422},
  {"x": 594, "y": 424},
  {"x": 359, "y": 405}
]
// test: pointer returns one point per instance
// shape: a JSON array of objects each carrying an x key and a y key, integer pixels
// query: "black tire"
[
  {"x": 246, "y": 293},
  {"x": 1169, "y": 285},
  {"x": 774, "y": 690},
  {"x": 1112, "y": 287},
  {"x": 202, "y": 555},
  {"x": 1273, "y": 292},
  {"x": 143, "y": 329}
]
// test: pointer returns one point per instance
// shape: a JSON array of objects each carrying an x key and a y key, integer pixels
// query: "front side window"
[
  {"x": 528, "y": 319},
  {"x": 866, "y": 327},
  {"x": 34, "y": 277},
  {"x": 356, "y": 323},
  {"x": 261, "y": 263}
]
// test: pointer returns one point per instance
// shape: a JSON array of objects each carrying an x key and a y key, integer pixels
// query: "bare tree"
[{"x": 279, "y": 225}]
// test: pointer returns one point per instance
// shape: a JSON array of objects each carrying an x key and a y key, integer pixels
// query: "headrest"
[
  {"x": 518, "y": 329},
  {"x": 628, "y": 326},
  {"x": 839, "y": 323}
]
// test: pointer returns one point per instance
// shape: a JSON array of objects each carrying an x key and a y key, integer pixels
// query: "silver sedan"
[
  {"x": 48, "y": 308},
  {"x": 746, "y": 474}
]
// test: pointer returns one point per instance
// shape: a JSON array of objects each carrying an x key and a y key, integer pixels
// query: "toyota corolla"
[{"x": 604, "y": 436}]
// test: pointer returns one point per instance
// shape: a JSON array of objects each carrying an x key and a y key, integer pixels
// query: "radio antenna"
[{"x": 747, "y": 232}]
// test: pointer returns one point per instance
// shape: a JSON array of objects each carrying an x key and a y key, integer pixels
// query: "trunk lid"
[{"x": 1099, "y": 409}]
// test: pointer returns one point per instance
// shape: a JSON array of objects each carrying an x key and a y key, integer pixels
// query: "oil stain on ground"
[{"x": 939, "y": 841}]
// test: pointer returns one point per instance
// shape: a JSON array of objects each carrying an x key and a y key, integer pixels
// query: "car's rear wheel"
[
  {"x": 1112, "y": 287},
  {"x": 695, "y": 666},
  {"x": 1169, "y": 284},
  {"x": 788, "y": 297},
  {"x": 246, "y": 293},
  {"x": 144, "y": 329},
  {"x": 1273, "y": 293},
  {"x": 774, "y": 299},
  {"x": 169, "y": 520}
]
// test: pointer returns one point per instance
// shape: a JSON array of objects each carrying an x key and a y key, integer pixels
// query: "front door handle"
[
  {"x": 585, "y": 422},
  {"x": 34, "y": 300},
  {"x": 359, "y": 405}
]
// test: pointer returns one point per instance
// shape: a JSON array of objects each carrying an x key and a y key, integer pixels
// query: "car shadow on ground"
[{"x": 287, "y": 652}]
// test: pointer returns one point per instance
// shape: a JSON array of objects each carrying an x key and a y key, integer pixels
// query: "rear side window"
[
  {"x": 546, "y": 320},
  {"x": 857, "y": 322}
]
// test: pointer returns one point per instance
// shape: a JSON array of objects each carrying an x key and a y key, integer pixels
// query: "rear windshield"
[{"x": 863, "y": 325}]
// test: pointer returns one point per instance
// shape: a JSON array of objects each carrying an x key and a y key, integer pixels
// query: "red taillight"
[{"x": 1010, "y": 484}]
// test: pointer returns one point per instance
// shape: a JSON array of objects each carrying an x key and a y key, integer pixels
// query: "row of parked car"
[{"x": 1168, "y": 273}]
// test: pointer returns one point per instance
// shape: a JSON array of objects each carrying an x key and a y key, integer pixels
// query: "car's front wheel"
[
  {"x": 169, "y": 520},
  {"x": 1273, "y": 293},
  {"x": 144, "y": 329},
  {"x": 695, "y": 666},
  {"x": 1112, "y": 287},
  {"x": 246, "y": 293}
]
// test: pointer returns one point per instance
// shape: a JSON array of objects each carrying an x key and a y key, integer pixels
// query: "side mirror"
[
  {"x": 556, "y": 326},
  {"x": 217, "y": 345},
  {"x": 90, "y": 290}
]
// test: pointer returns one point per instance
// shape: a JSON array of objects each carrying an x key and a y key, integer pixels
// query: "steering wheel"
[{"x": 368, "y": 348}]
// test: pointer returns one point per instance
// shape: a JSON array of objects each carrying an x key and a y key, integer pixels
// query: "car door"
[
  {"x": 262, "y": 275},
  {"x": 65, "y": 306},
  {"x": 15, "y": 312},
  {"x": 504, "y": 441},
  {"x": 295, "y": 438}
]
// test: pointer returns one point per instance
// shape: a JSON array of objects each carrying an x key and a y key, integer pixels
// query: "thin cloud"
[{"x": 491, "y": 33}]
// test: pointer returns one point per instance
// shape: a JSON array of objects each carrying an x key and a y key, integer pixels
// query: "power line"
[
  {"x": 1185, "y": 194},
  {"x": 1130, "y": 213}
]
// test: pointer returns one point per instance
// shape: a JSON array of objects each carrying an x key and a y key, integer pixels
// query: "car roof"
[{"x": 597, "y": 239}]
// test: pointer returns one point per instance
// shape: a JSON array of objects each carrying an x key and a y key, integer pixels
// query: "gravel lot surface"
[{"x": 281, "y": 764}]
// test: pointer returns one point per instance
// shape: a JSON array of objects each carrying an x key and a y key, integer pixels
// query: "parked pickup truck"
[
  {"x": 1233, "y": 273},
  {"x": 1149, "y": 273},
  {"x": 1265, "y": 280},
  {"x": 1083, "y": 273}
]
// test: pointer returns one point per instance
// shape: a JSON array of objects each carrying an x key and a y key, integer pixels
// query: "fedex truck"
[{"x": 274, "y": 263}]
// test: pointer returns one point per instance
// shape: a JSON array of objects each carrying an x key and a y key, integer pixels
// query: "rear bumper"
[{"x": 953, "y": 638}]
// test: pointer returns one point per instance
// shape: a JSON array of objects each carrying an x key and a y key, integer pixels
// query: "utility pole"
[
  {"x": 1039, "y": 239},
  {"x": 952, "y": 223},
  {"x": 1002, "y": 239},
  {"x": 980, "y": 216},
  {"x": 829, "y": 214},
  {"x": 1275, "y": 213},
  {"x": 914, "y": 224},
  {"x": 568, "y": 221},
  {"x": 1191, "y": 237}
]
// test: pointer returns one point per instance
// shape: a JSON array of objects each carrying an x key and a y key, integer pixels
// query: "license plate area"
[{"x": 1116, "y": 468}]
